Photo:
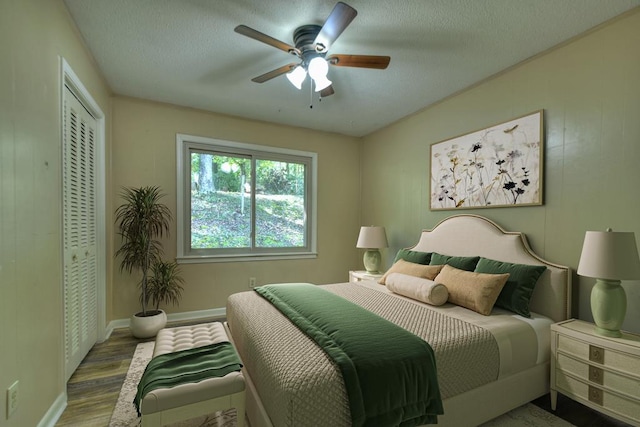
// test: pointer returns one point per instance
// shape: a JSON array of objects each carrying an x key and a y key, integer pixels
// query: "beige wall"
[
  {"x": 33, "y": 34},
  {"x": 144, "y": 153},
  {"x": 590, "y": 92}
]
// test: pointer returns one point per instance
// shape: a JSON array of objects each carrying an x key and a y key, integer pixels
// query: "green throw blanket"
[
  {"x": 187, "y": 366},
  {"x": 389, "y": 373}
]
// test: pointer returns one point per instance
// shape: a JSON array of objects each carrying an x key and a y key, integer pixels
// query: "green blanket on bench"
[
  {"x": 187, "y": 366},
  {"x": 389, "y": 373}
]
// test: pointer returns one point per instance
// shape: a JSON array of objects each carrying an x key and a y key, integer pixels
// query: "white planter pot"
[{"x": 147, "y": 326}]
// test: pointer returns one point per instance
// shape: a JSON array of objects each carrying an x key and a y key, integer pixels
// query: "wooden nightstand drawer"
[
  {"x": 606, "y": 378},
  {"x": 598, "y": 355},
  {"x": 598, "y": 397},
  {"x": 581, "y": 349},
  {"x": 572, "y": 346}
]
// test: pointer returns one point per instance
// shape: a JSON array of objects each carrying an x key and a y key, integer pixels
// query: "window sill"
[{"x": 244, "y": 258}]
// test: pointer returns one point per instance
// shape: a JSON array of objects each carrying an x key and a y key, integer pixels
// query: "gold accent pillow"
[
  {"x": 475, "y": 291},
  {"x": 412, "y": 269}
]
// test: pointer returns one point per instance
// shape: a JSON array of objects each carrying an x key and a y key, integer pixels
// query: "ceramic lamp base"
[
  {"x": 372, "y": 260},
  {"x": 608, "y": 307}
]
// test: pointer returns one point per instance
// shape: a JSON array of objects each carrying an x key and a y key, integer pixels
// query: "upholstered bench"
[{"x": 168, "y": 405}]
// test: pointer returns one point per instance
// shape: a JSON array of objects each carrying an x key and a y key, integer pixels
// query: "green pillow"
[
  {"x": 413, "y": 256},
  {"x": 516, "y": 294},
  {"x": 467, "y": 263}
]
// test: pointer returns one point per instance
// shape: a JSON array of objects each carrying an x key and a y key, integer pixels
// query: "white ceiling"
[{"x": 185, "y": 52}]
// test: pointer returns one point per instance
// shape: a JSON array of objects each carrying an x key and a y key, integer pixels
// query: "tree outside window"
[{"x": 244, "y": 201}]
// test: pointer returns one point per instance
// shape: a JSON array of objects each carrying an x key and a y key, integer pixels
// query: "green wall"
[{"x": 590, "y": 92}]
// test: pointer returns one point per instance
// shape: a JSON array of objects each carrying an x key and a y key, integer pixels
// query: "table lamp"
[
  {"x": 372, "y": 239},
  {"x": 609, "y": 257}
]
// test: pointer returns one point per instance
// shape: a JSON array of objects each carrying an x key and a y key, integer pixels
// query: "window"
[{"x": 244, "y": 201}]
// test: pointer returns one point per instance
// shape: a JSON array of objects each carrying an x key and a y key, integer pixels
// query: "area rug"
[{"x": 124, "y": 414}]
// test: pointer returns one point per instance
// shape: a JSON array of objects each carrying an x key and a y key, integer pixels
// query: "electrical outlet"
[
  {"x": 12, "y": 399},
  {"x": 252, "y": 282}
]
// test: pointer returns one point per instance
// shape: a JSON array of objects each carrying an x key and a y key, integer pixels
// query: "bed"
[{"x": 292, "y": 382}]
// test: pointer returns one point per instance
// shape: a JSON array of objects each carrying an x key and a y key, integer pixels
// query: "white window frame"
[{"x": 184, "y": 143}]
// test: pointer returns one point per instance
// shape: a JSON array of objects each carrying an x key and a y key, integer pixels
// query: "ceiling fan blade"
[
  {"x": 339, "y": 18},
  {"x": 327, "y": 91},
  {"x": 274, "y": 73},
  {"x": 361, "y": 61},
  {"x": 261, "y": 37}
]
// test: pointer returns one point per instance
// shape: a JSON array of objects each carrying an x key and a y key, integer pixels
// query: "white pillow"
[{"x": 417, "y": 288}]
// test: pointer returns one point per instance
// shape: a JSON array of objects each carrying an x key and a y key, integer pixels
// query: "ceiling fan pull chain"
[{"x": 310, "y": 95}]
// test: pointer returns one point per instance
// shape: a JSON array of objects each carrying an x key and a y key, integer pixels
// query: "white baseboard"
[
  {"x": 172, "y": 317},
  {"x": 196, "y": 315},
  {"x": 55, "y": 411}
]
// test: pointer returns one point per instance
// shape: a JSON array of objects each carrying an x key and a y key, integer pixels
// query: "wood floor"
[
  {"x": 92, "y": 391},
  {"x": 94, "y": 387}
]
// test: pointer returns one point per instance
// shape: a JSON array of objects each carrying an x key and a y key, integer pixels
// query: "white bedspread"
[{"x": 522, "y": 342}]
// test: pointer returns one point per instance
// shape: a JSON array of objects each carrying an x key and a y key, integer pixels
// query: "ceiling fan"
[{"x": 312, "y": 42}]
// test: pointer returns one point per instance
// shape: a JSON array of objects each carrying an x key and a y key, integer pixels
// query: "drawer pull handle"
[
  {"x": 595, "y": 375},
  {"x": 595, "y": 395},
  {"x": 596, "y": 354}
]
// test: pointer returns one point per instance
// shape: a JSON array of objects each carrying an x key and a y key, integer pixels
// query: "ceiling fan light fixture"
[
  {"x": 297, "y": 76},
  {"x": 322, "y": 83},
  {"x": 318, "y": 69}
]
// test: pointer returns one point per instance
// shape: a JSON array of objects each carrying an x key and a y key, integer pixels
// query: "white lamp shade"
[
  {"x": 609, "y": 255},
  {"x": 297, "y": 76},
  {"x": 372, "y": 238}
]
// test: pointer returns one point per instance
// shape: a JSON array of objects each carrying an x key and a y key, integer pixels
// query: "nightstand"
[
  {"x": 356, "y": 276},
  {"x": 600, "y": 372}
]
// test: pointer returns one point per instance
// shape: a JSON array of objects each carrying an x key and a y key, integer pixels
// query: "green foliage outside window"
[{"x": 221, "y": 190}]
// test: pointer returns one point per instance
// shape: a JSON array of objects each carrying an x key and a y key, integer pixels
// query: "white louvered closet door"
[{"x": 80, "y": 231}]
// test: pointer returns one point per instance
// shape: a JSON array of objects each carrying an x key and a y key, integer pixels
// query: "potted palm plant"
[
  {"x": 142, "y": 220},
  {"x": 165, "y": 284}
]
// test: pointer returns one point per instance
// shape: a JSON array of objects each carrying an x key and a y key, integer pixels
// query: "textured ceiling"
[{"x": 185, "y": 52}]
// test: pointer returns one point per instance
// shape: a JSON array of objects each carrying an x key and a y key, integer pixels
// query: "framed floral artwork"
[{"x": 500, "y": 166}]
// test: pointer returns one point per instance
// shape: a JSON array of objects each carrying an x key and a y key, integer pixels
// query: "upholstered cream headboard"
[{"x": 473, "y": 235}]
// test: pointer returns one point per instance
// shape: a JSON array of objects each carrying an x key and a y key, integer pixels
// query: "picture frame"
[{"x": 499, "y": 166}]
